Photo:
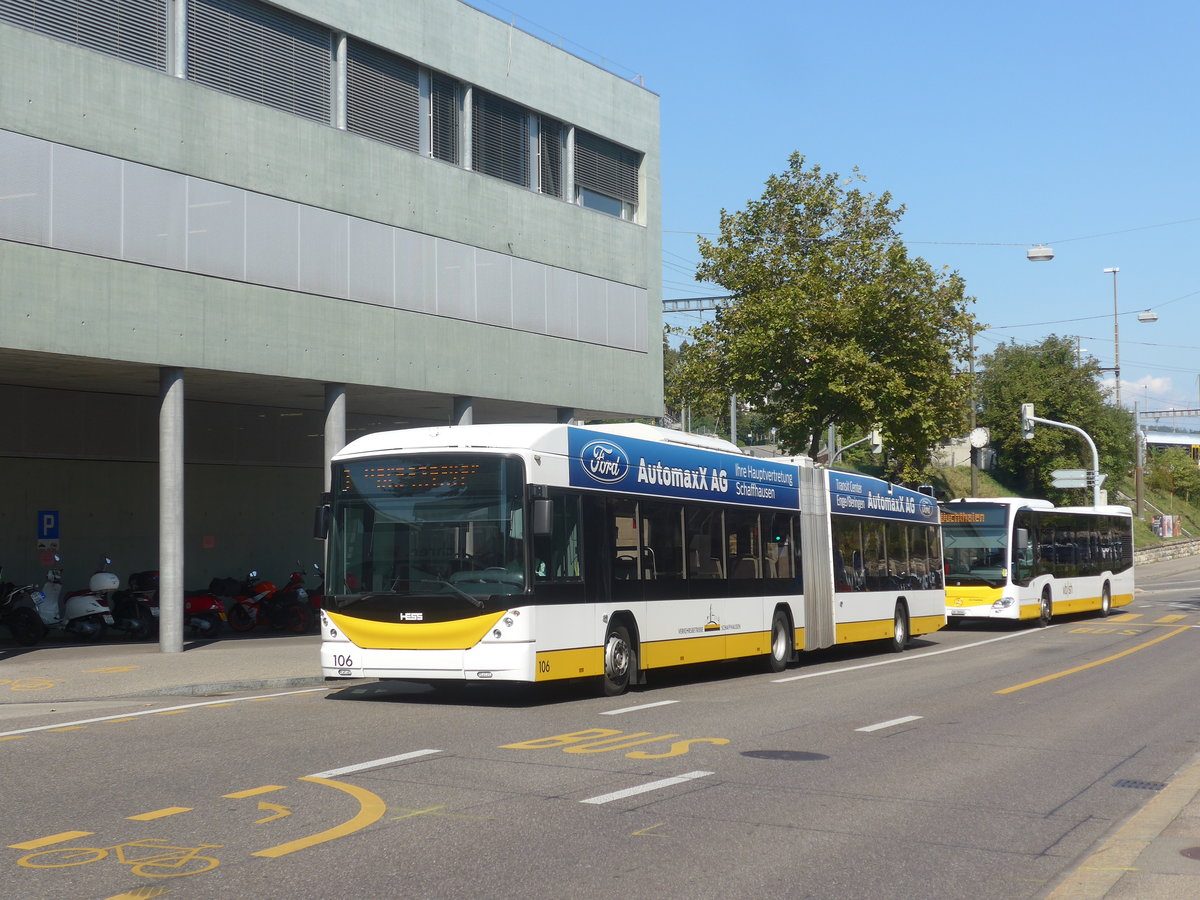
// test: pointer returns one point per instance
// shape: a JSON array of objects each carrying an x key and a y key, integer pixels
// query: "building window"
[
  {"x": 499, "y": 138},
  {"x": 134, "y": 30},
  {"x": 443, "y": 118},
  {"x": 382, "y": 96},
  {"x": 261, "y": 53},
  {"x": 606, "y": 175},
  {"x": 550, "y": 156}
]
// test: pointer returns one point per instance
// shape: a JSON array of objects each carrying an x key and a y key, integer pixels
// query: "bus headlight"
[{"x": 1003, "y": 603}]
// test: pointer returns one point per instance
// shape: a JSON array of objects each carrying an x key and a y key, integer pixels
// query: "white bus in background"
[
  {"x": 1013, "y": 558},
  {"x": 545, "y": 552}
]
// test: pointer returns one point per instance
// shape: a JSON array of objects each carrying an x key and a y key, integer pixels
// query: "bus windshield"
[
  {"x": 975, "y": 543},
  {"x": 436, "y": 524}
]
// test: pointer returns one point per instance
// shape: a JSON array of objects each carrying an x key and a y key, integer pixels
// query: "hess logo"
[{"x": 604, "y": 461}]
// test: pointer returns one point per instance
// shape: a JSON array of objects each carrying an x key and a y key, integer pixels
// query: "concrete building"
[{"x": 234, "y": 235}]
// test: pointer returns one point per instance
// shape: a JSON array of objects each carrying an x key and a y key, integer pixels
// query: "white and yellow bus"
[
  {"x": 544, "y": 552},
  {"x": 1013, "y": 558}
]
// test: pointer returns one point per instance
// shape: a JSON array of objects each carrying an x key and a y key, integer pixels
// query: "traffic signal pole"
[{"x": 1027, "y": 421}]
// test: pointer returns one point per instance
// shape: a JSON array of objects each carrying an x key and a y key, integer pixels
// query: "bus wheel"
[
  {"x": 899, "y": 628},
  {"x": 618, "y": 661},
  {"x": 781, "y": 643},
  {"x": 1105, "y": 602},
  {"x": 1045, "y": 610}
]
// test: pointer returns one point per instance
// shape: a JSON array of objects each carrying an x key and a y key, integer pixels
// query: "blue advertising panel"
[
  {"x": 862, "y": 495},
  {"x": 630, "y": 465}
]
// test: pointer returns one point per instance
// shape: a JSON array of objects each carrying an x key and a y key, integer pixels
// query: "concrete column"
[
  {"x": 335, "y": 426},
  {"x": 170, "y": 510},
  {"x": 565, "y": 414},
  {"x": 464, "y": 411}
]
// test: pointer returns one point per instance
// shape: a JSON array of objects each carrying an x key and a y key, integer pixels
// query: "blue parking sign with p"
[{"x": 47, "y": 525}]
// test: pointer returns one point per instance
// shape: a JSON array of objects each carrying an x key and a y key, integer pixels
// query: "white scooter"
[{"x": 83, "y": 614}]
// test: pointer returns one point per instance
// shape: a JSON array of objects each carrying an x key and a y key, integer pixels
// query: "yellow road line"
[
  {"x": 60, "y": 838},
  {"x": 1127, "y": 617},
  {"x": 158, "y": 814},
  {"x": 1099, "y": 662},
  {"x": 371, "y": 810},
  {"x": 253, "y": 792},
  {"x": 1166, "y": 620}
]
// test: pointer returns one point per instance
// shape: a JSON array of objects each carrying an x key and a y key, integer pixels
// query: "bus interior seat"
[{"x": 625, "y": 568}]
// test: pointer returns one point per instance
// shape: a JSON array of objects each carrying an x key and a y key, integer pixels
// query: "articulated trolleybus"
[
  {"x": 1009, "y": 558},
  {"x": 543, "y": 552}
]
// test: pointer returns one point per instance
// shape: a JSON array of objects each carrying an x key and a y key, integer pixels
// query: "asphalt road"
[{"x": 982, "y": 762}]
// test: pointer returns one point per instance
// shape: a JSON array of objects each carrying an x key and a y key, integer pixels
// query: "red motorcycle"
[
  {"x": 260, "y": 602},
  {"x": 203, "y": 614}
]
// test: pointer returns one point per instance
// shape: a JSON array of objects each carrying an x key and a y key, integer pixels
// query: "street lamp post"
[{"x": 1113, "y": 270}]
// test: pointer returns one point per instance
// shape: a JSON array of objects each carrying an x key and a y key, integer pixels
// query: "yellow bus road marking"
[
  {"x": 159, "y": 814},
  {"x": 61, "y": 838},
  {"x": 109, "y": 670},
  {"x": 68, "y": 728},
  {"x": 278, "y": 812},
  {"x": 171, "y": 712},
  {"x": 1167, "y": 620},
  {"x": 253, "y": 792},
  {"x": 1091, "y": 665},
  {"x": 1126, "y": 617},
  {"x": 645, "y": 832},
  {"x": 145, "y": 893},
  {"x": 15, "y": 737},
  {"x": 371, "y": 810}
]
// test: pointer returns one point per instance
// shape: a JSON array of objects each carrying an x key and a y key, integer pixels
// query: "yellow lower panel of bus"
[
  {"x": 457, "y": 635},
  {"x": 730, "y": 645},
  {"x": 1084, "y": 604},
  {"x": 926, "y": 624},
  {"x": 579, "y": 663},
  {"x": 966, "y": 597}
]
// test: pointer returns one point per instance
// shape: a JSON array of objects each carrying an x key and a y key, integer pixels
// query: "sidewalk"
[
  {"x": 1142, "y": 859},
  {"x": 79, "y": 672}
]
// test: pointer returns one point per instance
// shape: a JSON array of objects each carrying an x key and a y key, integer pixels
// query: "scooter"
[
  {"x": 18, "y": 614},
  {"x": 83, "y": 614}
]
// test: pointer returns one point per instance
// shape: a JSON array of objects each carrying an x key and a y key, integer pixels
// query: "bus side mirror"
[
  {"x": 1022, "y": 538},
  {"x": 321, "y": 522},
  {"x": 543, "y": 517}
]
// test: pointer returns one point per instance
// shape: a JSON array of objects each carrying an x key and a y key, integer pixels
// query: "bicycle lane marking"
[{"x": 371, "y": 806}]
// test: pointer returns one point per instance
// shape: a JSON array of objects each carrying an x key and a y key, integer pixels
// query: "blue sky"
[{"x": 999, "y": 126}]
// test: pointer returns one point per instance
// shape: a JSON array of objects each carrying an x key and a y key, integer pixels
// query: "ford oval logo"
[
  {"x": 928, "y": 508},
  {"x": 604, "y": 461}
]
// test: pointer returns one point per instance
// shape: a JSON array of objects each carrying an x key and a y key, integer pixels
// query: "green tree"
[
  {"x": 1174, "y": 471},
  {"x": 833, "y": 323},
  {"x": 1063, "y": 388}
]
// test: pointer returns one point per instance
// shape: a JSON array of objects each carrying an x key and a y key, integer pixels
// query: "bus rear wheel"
[
  {"x": 618, "y": 661},
  {"x": 781, "y": 642}
]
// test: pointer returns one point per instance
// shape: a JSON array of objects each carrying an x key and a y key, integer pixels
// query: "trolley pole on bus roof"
[{"x": 1027, "y": 420}]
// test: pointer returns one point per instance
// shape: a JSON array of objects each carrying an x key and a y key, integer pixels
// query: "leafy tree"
[
  {"x": 1173, "y": 470},
  {"x": 1063, "y": 388},
  {"x": 833, "y": 323}
]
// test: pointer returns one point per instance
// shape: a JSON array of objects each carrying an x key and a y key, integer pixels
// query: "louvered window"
[
  {"x": 382, "y": 96},
  {"x": 500, "y": 138},
  {"x": 607, "y": 169},
  {"x": 443, "y": 118},
  {"x": 134, "y": 30},
  {"x": 260, "y": 53},
  {"x": 550, "y": 133}
]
